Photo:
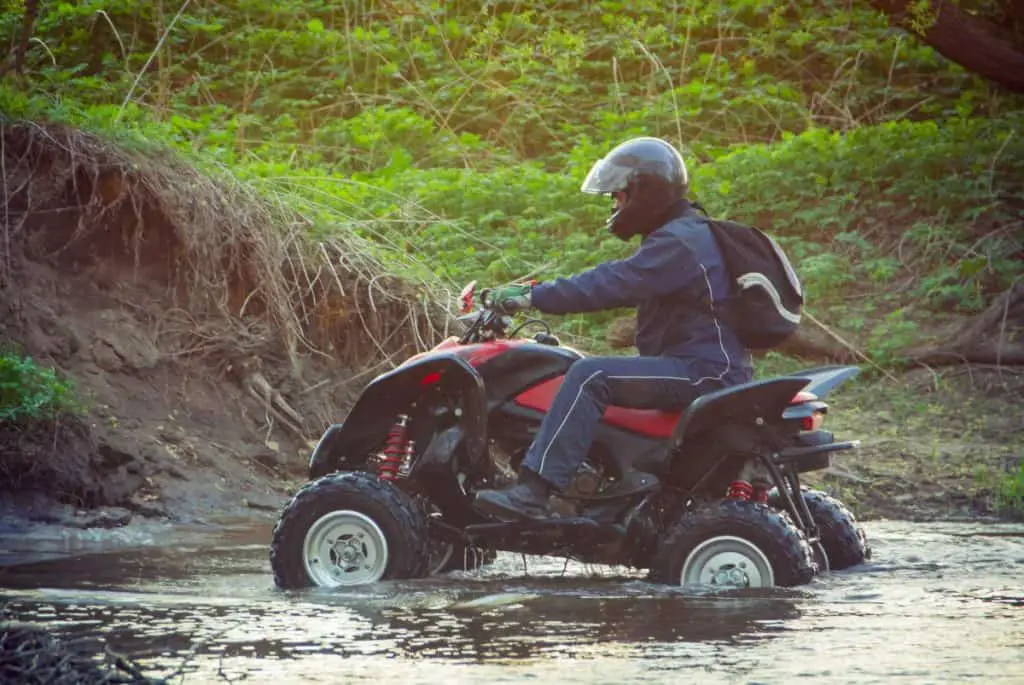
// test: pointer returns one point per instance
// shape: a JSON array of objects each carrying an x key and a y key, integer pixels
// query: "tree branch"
[
  {"x": 972, "y": 42},
  {"x": 28, "y": 20}
]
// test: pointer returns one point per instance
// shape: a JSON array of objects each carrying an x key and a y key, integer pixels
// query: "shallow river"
[{"x": 939, "y": 603}]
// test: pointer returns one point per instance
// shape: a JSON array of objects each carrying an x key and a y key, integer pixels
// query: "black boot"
[{"x": 527, "y": 499}]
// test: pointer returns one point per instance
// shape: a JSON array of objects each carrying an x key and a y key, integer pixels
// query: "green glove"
[{"x": 510, "y": 298}]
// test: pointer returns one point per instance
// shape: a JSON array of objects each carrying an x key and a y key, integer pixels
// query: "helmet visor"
[{"x": 606, "y": 177}]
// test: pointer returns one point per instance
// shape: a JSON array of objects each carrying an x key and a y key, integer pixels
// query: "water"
[{"x": 940, "y": 603}]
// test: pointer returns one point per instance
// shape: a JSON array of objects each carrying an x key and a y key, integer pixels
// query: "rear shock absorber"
[
  {"x": 390, "y": 458},
  {"x": 740, "y": 489}
]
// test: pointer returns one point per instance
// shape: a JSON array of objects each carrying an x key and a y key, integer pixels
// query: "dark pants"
[{"x": 592, "y": 384}]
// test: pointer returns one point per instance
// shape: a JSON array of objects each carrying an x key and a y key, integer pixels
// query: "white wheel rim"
[
  {"x": 344, "y": 548},
  {"x": 727, "y": 561}
]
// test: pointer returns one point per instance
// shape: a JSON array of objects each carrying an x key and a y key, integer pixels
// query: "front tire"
[
  {"x": 348, "y": 529},
  {"x": 734, "y": 544}
]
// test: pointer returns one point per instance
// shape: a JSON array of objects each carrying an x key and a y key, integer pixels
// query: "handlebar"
[{"x": 489, "y": 323}]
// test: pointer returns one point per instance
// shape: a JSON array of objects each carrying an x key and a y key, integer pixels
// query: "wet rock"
[
  {"x": 147, "y": 507},
  {"x": 112, "y": 517}
]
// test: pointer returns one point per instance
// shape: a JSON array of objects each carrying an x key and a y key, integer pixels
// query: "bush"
[
  {"x": 1010, "y": 495},
  {"x": 31, "y": 392}
]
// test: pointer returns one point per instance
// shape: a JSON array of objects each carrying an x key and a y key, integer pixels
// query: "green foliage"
[
  {"x": 533, "y": 79},
  {"x": 29, "y": 391},
  {"x": 454, "y": 135},
  {"x": 1010, "y": 493}
]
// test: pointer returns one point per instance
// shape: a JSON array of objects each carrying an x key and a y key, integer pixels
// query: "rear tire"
[
  {"x": 842, "y": 538},
  {"x": 733, "y": 543},
  {"x": 348, "y": 529}
]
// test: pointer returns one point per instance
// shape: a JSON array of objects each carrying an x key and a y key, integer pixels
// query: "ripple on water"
[{"x": 936, "y": 604}]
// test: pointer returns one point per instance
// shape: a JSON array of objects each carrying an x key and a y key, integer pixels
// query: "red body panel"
[
  {"x": 482, "y": 352},
  {"x": 650, "y": 422}
]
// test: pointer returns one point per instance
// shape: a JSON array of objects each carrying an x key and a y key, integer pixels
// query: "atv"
[{"x": 707, "y": 495}]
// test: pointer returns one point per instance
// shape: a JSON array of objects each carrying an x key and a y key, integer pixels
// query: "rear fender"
[
  {"x": 345, "y": 445},
  {"x": 822, "y": 380}
]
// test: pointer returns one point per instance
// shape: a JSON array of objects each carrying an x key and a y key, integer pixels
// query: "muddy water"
[{"x": 940, "y": 603}]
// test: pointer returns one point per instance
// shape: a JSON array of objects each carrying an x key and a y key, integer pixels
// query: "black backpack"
[{"x": 764, "y": 307}]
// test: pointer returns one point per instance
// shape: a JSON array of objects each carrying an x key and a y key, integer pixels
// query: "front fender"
[{"x": 346, "y": 445}]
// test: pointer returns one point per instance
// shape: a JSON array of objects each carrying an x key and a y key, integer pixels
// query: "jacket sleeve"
[{"x": 664, "y": 264}]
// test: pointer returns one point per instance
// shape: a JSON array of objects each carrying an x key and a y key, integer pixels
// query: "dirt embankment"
[{"x": 209, "y": 341}]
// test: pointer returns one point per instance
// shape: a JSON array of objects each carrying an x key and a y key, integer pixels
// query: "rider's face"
[{"x": 620, "y": 199}]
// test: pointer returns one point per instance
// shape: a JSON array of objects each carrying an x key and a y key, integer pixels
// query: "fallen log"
[
  {"x": 995, "y": 336},
  {"x": 808, "y": 343}
]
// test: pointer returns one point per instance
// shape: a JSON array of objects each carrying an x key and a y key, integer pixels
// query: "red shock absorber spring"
[
  {"x": 389, "y": 459},
  {"x": 740, "y": 489}
]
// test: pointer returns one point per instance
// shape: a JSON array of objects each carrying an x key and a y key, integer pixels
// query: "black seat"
[{"x": 742, "y": 403}]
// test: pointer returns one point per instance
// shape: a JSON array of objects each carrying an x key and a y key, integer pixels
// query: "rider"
[{"x": 677, "y": 281}]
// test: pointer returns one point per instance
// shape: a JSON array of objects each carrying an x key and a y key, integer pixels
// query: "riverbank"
[{"x": 935, "y": 447}]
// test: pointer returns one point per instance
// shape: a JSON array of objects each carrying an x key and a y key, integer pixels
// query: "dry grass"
[{"x": 240, "y": 275}]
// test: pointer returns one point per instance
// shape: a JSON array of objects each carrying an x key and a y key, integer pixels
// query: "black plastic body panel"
[
  {"x": 521, "y": 368},
  {"x": 821, "y": 380},
  {"x": 765, "y": 400},
  {"x": 346, "y": 445}
]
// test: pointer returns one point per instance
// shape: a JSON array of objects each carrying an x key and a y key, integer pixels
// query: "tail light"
[
  {"x": 813, "y": 422},
  {"x": 816, "y": 419}
]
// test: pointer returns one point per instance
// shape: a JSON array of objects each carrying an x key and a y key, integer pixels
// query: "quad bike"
[{"x": 706, "y": 495}]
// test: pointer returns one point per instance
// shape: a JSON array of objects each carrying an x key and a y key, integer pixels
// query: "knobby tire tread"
[
  {"x": 408, "y": 555},
  {"x": 771, "y": 530},
  {"x": 841, "y": 537}
]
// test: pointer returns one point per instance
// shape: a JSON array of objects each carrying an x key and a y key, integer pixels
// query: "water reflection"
[
  {"x": 571, "y": 624},
  {"x": 939, "y": 604},
  {"x": 553, "y": 619}
]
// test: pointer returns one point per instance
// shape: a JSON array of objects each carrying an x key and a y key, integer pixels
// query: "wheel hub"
[
  {"x": 344, "y": 548},
  {"x": 727, "y": 561},
  {"x": 729, "y": 575}
]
